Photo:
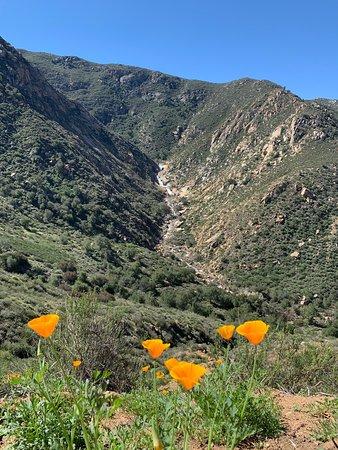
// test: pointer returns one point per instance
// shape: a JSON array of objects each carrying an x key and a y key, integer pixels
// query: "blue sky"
[{"x": 291, "y": 42}]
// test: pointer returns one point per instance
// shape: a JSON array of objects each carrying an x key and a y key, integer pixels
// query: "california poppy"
[
  {"x": 226, "y": 331},
  {"x": 76, "y": 363},
  {"x": 253, "y": 330},
  {"x": 145, "y": 368},
  {"x": 171, "y": 362},
  {"x": 155, "y": 347},
  {"x": 44, "y": 326},
  {"x": 187, "y": 374},
  {"x": 159, "y": 375}
]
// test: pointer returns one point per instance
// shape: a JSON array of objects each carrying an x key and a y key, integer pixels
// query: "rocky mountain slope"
[
  {"x": 146, "y": 107},
  {"x": 260, "y": 183},
  {"x": 253, "y": 166},
  {"x": 59, "y": 164}
]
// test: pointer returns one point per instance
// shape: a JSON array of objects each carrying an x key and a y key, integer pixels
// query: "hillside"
[
  {"x": 253, "y": 167},
  {"x": 189, "y": 301},
  {"x": 260, "y": 188},
  {"x": 79, "y": 213},
  {"x": 76, "y": 172},
  {"x": 329, "y": 103}
]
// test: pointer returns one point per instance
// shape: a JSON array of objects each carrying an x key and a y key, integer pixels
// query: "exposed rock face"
[{"x": 307, "y": 194}]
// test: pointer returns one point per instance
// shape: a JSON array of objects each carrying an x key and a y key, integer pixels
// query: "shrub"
[
  {"x": 293, "y": 364},
  {"x": 15, "y": 262},
  {"x": 70, "y": 277},
  {"x": 68, "y": 266},
  {"x": 98, "y": 338},
  {"x": 99, "y": 280}
]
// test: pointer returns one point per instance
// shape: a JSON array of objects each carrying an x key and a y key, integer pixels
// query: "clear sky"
[{"x": 291, "y": 42}]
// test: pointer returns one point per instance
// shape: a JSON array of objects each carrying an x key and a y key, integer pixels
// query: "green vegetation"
[
  {"x": 143, "y": 106},
  {"x": 52, "y": 404},
  {"x": 80, "y": 216},
  {"x": 327, "y": 414}
]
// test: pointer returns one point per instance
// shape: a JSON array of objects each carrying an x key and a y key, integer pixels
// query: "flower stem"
[
  {"x": 249, "y": 390},
  {"x": 172, "y": 437},
  {"x": 186, "y": 425},
  {"x": 225, "y": 373}
]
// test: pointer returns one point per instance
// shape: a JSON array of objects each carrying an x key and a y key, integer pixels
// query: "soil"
[{"x": 299, "y": 425}]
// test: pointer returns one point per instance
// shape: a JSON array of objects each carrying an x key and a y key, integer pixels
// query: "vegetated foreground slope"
[{"x": 255, "y": 167}]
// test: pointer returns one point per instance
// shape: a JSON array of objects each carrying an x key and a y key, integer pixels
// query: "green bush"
[
  {"x": 97, "y": 336},
  {"x": 15, "y": 262}
]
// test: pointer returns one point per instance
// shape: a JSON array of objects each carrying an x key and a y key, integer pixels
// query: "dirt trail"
[{"x": 299, "y": 423}]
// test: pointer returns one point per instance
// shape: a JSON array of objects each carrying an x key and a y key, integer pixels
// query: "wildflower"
[
  {"x": 155, "y": 347},
  {"x": 159, "y": 375},
  {"x": 76, "y": 363},
  {"x": 170, "y": 363},
  {"x": 226, "y": 331},
  {"x": 219, "y": 361},
  {"x": 187, "y": 374},
  {"x": 145, "y": 369},
  {"x": 44, "y": 326},
  {"x": 253, "y": 330},
  {"x": 164, "y": 392},
  {"x": 13, "y": 377}
]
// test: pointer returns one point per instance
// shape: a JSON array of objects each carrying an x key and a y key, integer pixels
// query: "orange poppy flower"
[
  {"x": 253, "y": 330},
  {"x": 159, "y": 375},
  {"x": 226, "y": 331},
  {"x": 155, "y": 347},
  {"x": 170, "y": 363},
  {"x": 44, "y": 326},
  {"x": 76, "y": 363},
  {"x": 187, "y": 374},
  {"x": 145, "y": 369}
]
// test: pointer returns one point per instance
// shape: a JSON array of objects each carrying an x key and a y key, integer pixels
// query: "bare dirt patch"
[{"x": 299, "y": 425}]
